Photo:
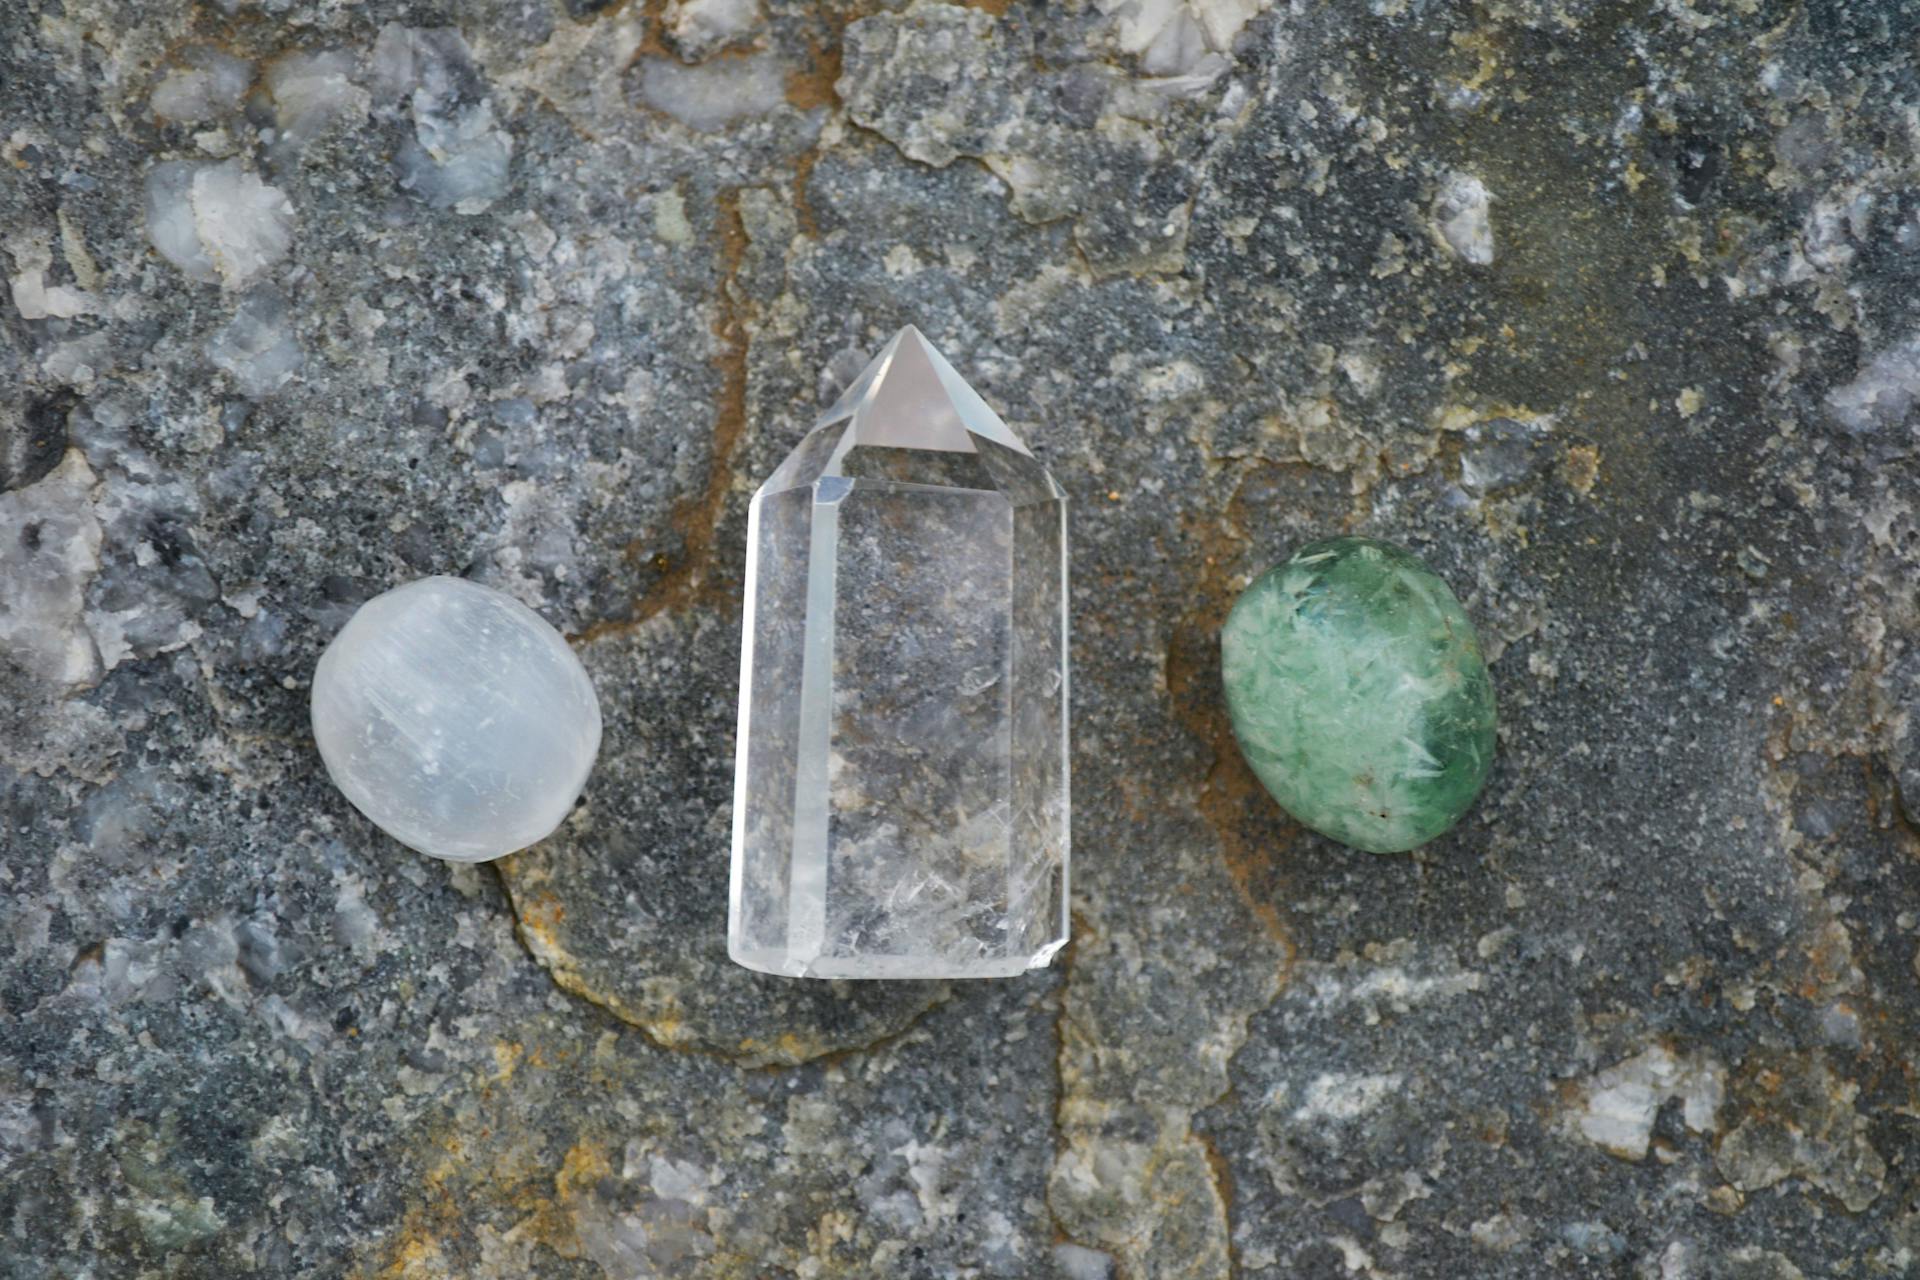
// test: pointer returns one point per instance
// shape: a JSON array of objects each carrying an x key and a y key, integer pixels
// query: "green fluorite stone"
[{"x": 1359, "y": 695}]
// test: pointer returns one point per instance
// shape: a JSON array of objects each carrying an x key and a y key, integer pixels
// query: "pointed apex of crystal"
[
  {"x": 910, "y": 418},
  {"x": 909, "y": 397}
]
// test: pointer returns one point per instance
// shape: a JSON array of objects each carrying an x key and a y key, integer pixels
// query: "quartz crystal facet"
[
  {"x": 1358, "y": 693},
  {"x": 456, "y": 718},
  {"x": 900, "y": 797}
]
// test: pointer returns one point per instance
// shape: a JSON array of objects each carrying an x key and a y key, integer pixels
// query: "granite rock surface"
[{"x": 1606, "y": 310}]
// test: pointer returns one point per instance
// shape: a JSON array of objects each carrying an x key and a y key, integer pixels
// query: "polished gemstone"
[
  {"x": 455, "y": 718},
  {"x": 900, "y": 799},
  {"x": 1359, "y": 695}
]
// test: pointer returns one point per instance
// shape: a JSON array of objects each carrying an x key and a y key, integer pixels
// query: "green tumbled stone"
[{"x": 1358, "y": 693}]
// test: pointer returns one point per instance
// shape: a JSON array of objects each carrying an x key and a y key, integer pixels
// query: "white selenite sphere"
[{"x": 456, "y": 719}]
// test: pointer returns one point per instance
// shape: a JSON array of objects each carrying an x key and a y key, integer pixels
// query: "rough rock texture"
[{"x": 1607, "y": 310}]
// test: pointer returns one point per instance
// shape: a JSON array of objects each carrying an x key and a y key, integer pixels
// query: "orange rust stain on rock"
[
  {"x": 1231, "y": 799},
  {"x": 416, "y": 1258},
  {"x": 1830, "y": 959},
  {"x": 803, "y": 215},
  {"x": 812, "y": 85},
  {"x": 417, "y": 1254},
  {"x": 686, "y": 578},
  {"x": 1580, "y": 468},
  {"x": 540, "y": 914},
  {"x": 1223, "y": 1187},
  {"x": 512, "y": 1173},
  {"x": 582, "y": 1167}
]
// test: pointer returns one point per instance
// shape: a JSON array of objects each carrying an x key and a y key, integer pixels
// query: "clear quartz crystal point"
[{"x": 900, "y": 794}]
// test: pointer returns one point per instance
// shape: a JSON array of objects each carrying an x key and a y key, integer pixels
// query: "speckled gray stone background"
[{"x": 1609, "y": 310}]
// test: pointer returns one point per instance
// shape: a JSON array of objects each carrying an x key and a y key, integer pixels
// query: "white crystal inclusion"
[{"x": 901, "y": 790}]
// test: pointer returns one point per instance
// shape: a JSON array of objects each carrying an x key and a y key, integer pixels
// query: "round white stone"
[{"x": 456, "y": 719}]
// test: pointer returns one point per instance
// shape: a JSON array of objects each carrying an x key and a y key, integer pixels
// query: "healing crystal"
[
  {"x": 900, "y": 798},
  {"x": 1358, "y": 693},
  {"x": 456, "y": 719}
]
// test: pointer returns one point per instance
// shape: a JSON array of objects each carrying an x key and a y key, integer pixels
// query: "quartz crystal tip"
[{"x": 901, "y": 785}]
